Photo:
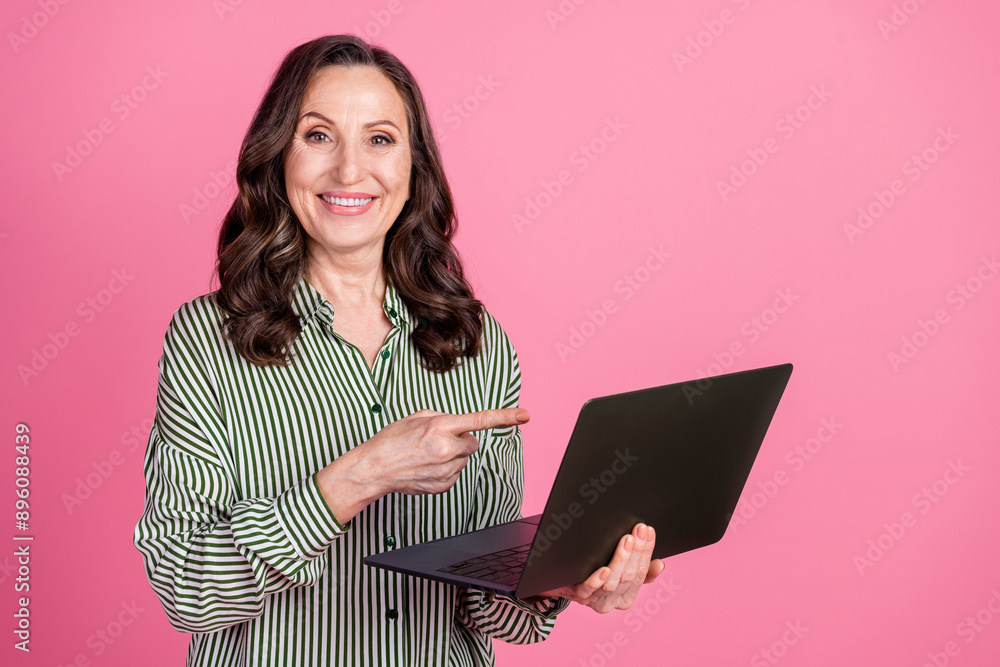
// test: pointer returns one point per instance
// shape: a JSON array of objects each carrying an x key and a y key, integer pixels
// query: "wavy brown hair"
[{"x": 261, "y": 250}]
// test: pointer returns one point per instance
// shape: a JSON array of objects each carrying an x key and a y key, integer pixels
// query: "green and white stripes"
[{"x": 240, "y": 546}]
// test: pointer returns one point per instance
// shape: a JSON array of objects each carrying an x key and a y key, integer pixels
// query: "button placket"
[
  {"x": 376, "y": 400},
  {"x": 376, "y": 394},
  {"x": 377, "y": 376},
  {"x": 383, "y": 360},
  {"x": 325, "y": 315}
]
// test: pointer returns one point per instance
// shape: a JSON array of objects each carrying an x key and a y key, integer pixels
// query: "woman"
[{"x": 342, "y": 393}]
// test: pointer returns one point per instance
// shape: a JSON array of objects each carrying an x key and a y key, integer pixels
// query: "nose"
[{"x": 348, "y": 162}]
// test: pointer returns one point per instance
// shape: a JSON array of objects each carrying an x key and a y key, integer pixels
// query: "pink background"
[{"x": 874, "y": 549}]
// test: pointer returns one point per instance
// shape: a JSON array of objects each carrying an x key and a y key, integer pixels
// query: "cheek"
[
  {"x": 400, "y": 175},
  {"x": 298, "y": 190},
  {"x": 293, "y": 191},
  {"x": 298, "y": 171}
]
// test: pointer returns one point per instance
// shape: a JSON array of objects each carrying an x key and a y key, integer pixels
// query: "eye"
[
  {"x": 386, "y": 140},
  {"x": 311, "y": 135}
]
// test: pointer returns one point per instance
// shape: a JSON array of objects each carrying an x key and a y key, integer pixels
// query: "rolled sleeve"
[
  {"x": 546, "y": 608},
  {"x": 287, "y": 531},
  {"x": 307, "y": 522}
]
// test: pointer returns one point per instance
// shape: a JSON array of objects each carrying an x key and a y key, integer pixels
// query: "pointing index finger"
[{"x": 485, "y": 419}]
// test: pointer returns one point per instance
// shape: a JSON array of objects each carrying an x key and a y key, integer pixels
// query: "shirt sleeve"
[
  {"x": 499, "y": 492},
  {"x": 211, "y": 556}
]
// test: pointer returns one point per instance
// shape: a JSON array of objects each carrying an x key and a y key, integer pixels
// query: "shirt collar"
[{"x": 308, "y": 303}]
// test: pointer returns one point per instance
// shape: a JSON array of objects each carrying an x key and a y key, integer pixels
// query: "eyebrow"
[{"x": 330, "y": 122}]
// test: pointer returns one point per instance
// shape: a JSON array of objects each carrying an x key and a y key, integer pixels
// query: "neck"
[{"x": 347, "y": 282}]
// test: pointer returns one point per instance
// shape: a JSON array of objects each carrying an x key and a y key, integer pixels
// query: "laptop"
[{"x": 675, "y": 457}]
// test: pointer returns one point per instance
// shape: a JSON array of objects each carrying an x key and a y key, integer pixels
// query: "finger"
[
  {"x": 647, "y": 554},
  {"x": 457, "y": 465},
  {"x": 638, "y": 561},
  {"x": 656, "y": 568},
  {"x": 643, "y": 571},
  {"x": 590, "y": 587},
  {"x": 569, "y": 592},
  {"x": 484, "y": 419},
  {"x": 634, "y": 572},
  {"x": 445, "y": 483},
  {"x": 618, "y": 561},
  {"x": 585, "y": 588},
  {"x": 468, "y": 445}
]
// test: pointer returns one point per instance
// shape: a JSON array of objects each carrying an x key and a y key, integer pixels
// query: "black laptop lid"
[{"x": 675, "y": 457}]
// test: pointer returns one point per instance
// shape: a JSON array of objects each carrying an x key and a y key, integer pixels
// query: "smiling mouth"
[{"x": 346, "y": 201}]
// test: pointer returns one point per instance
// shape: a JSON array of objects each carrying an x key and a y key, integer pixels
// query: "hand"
[
  {"x": 616, "y": 585},
  {"x": 427, "y": 451},
  {"x": 422, "y": 453}
]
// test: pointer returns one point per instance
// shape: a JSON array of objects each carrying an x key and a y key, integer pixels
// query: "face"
[{"x": 347, "y": 168}]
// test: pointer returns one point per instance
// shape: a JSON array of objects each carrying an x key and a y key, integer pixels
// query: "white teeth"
[{"x": 345, "y": 201}]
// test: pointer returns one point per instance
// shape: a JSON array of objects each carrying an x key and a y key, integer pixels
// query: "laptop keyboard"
[{"x": 501, "y": 567}]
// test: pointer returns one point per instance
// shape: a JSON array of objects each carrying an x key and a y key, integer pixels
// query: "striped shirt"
[{"x": 238, "y": 542}]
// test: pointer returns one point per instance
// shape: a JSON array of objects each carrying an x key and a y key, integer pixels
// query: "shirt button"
[
  {"x": 376, "y": 408},
  {"x": 385, "y": 354},
  {"x": 390, "y": 541},
  {"x": 392, "y": 614},
  {"x": 392, "y": 312}
]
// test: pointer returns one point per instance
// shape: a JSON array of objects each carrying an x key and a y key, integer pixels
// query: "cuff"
[
  {"x": 306, "y": 519},
  {"x": 545, "y": 608}
]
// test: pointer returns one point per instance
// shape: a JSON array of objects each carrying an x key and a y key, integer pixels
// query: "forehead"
[{"x": 338, "y": 90}]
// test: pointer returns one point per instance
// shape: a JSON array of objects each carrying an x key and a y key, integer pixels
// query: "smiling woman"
[
  {"x": 320, "y": 406},
  {"x": 346, "y": 228},
  {"x": 324, "y": 152},
  {"x": 338, "y": 115}
]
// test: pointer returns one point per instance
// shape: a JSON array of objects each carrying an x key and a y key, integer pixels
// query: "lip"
[
  {"x": 346, "y": 210},
  {"x": 344, "y": 193}
]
